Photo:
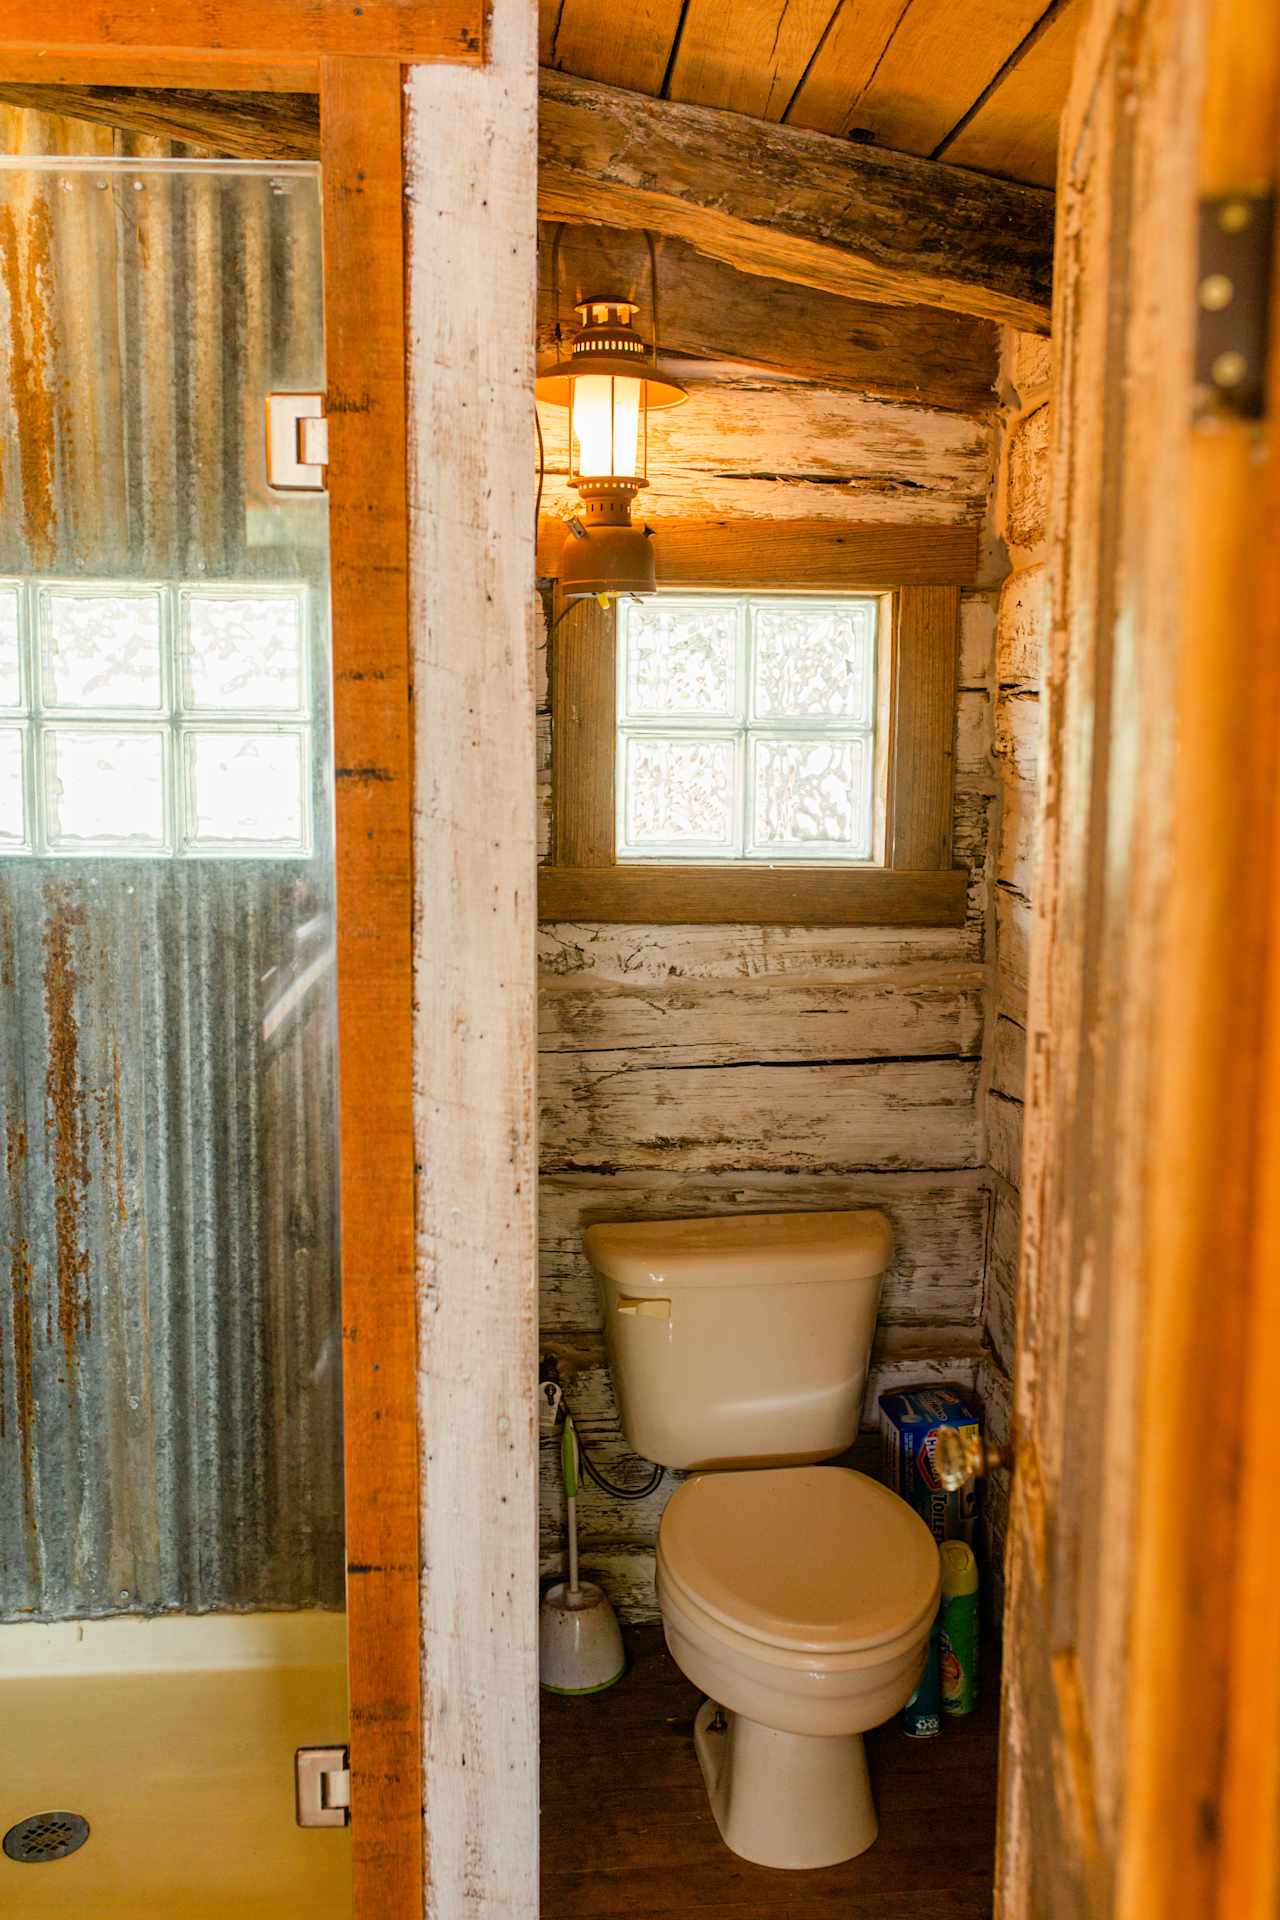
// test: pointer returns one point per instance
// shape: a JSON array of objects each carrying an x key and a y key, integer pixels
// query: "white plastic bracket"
[
  {"x": 297, "y": 442},
  {"x": 323, "y": 1777}
]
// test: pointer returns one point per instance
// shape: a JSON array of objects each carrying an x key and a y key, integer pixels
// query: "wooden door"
[{"x": 1142, "y": 1710}]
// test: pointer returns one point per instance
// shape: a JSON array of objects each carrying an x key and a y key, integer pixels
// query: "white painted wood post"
[{"x": 471, "y": 161}]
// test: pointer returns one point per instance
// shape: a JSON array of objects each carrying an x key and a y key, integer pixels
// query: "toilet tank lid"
[{"x": 741, "y": 1248}]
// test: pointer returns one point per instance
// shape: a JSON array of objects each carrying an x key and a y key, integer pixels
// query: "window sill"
[{"x": 709, "y": 896}]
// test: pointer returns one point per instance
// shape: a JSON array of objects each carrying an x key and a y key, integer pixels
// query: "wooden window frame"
[
  {"x": 916, "y": 885},
  {"x": 355, "y": 59}
]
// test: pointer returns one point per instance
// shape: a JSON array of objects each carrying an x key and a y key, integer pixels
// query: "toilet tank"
[{"x": 741, "y": 1341}]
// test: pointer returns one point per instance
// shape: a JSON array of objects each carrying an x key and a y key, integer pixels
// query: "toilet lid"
[{"x": 814, "y": 1559}]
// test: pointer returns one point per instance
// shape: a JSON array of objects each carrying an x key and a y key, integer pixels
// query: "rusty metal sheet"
[{"x": 170, "y": 1414}]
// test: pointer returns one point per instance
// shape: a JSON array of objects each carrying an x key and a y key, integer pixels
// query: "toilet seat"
[{"x": 807, "y": 1561}]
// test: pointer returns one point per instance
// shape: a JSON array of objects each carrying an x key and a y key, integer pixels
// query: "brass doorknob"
[{"x": 958, "y": 1457}]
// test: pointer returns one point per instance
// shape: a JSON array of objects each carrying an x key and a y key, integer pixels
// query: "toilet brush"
[{"x": 579, "y": 1643}]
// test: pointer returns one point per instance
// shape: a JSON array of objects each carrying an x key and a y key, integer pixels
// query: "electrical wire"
[
  {"x": 593, "y": 1472},
  {"x": 651, "y": 1485}
]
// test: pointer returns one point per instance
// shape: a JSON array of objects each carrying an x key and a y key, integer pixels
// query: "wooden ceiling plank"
[
  {"x": 711, "y": 312},
  {"x": 627, "y": 42},
  {"x": 844, "y": 65},
  {"x": 748, "y": 58},
  {"x": 235, "y": 125},
  {"x": 1014, "y": 135},
  {"x": 790, "y": 204},
  {"x": 930, "y": 73}
]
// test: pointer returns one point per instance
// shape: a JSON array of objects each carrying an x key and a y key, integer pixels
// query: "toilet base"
[{"x": 785, "y": 1799}]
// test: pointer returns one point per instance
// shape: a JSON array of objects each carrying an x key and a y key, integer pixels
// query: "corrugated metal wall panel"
[{"x": 170, "y": 1425}]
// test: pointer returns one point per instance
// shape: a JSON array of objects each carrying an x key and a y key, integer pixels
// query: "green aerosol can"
[{"x": 959, "y": 1627}]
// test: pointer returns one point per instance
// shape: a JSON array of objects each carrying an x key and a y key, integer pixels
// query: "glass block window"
[
  {"x": 747, "y": 728},
  {"x": 154, "y": 720}
]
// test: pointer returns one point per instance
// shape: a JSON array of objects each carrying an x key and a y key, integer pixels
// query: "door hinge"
[
  {"x": 323, "y": 1780},
  {"x": 1233, "y": 294},
  {"x": 297, "y": 442}
]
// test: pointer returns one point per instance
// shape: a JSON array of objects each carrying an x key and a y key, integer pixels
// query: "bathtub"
[{"x": 174, "y": 1738}]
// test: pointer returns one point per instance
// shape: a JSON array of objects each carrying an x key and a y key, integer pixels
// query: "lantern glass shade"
[{"x": 605, "y": 413}]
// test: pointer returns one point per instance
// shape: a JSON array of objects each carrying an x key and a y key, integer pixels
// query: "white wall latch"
[
  {"x": 297, "y": 442},
  {"x": 323, "y": 1777}
]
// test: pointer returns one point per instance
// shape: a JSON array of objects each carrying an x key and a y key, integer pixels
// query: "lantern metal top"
[{"x": 608, "y": 344}]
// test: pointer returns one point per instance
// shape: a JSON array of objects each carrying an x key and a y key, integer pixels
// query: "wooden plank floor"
[{"x": 626, "y": 1829}]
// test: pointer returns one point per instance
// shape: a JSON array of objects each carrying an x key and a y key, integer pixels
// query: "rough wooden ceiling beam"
[
  {"x": 738, "y": 326},
  {"x": 776, "y": 202},
  {"x": 795, "y": 205},
  {"x": 241, "y": 126}
]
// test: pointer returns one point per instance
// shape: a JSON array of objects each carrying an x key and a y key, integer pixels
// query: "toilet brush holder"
[{"x": 579, "y": 1641}]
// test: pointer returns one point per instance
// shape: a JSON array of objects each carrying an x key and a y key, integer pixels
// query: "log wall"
[
  {"x": 1021, "y": 617},
  {"x": 699, "y": 1070}
]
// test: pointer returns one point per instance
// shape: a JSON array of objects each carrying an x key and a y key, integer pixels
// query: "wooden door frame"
[
  {"x": 1200, "y": 1837},
  {"x": 418, "y": 1292},
  {"x": 1195, "y": 1837}
]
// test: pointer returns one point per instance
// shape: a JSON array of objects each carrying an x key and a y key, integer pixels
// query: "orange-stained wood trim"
[
  {"x": 82, "y": 66},
  {"x": 368, "y": 520},
  {"x": 408, "y": 30}
]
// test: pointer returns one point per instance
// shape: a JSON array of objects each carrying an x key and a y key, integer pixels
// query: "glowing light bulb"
[{"x": 606, "y": 421}]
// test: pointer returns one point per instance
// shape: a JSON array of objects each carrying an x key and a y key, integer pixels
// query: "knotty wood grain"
[
  {"x": 867, "y": 224},
  {"x": 365, "y": 356}
]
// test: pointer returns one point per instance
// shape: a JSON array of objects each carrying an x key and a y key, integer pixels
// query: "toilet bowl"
[{"x": 799, "y": 1600}]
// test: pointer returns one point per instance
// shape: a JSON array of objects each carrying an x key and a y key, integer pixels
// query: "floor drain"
[{"x": 46, "y": 1836}]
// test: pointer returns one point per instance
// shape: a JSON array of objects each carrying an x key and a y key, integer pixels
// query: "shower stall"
[{"x": 171, "y": 1514}]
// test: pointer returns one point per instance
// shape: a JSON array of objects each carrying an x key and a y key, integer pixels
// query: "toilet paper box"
[{"x": 910, "y": 1421}]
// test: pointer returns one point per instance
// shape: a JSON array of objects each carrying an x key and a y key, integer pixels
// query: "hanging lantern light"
[{"x": 610, "y": 385}]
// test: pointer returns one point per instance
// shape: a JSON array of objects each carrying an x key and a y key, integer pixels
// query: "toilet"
[{"x": 797, "y": 1597}]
